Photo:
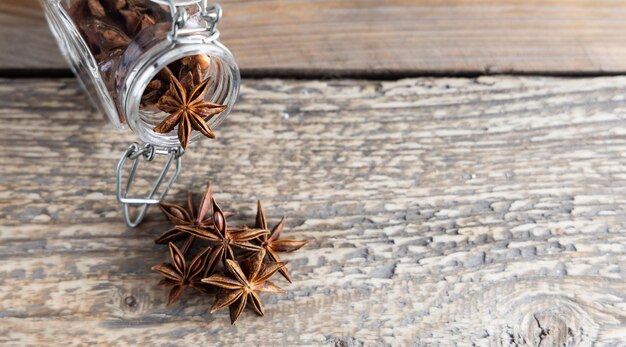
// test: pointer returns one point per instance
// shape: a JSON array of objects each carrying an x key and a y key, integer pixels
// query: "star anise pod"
[
  {"x": 96, "y": 8},
  {"x": 137, "y": 17},
  {"x": 192, "y": 216},
  {"x": 225, "y": 239},
  {"x": 153, "y": 92},
  {"x": 198, "y": 65},
  {"x": 187, "y": 109},
  {"x": 103, "y": 36},
  {"x": 272, "y": 244},
  {"x": 180, "y": 275},
  {"x": 241, "y": 284},
  {"x": 157, "y": 87}
]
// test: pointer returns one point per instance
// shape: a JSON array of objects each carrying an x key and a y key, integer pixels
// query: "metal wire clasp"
[
  {"x": 211, "y": 14},
  {"x": 134, "y": 153}
]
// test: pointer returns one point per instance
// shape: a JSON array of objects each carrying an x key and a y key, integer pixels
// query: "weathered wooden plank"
[
  {"x": 379, "y": 37},
  {"x": 487, "y": 211}
]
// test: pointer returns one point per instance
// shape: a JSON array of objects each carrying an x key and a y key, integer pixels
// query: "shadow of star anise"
[
  {"x": 184, "y": 101},
  {"x": 271, "y": 244},
  {"x": 224, "y": 238},
  {"x": 179, "y": 274},
  {"x": 240, "y": 285}
]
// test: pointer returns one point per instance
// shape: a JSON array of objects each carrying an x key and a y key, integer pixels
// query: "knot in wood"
[{"x": 549, "y": 320}]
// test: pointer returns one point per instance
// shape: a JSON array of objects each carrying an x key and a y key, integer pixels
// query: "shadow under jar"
[{"x": 132, "y": 57}]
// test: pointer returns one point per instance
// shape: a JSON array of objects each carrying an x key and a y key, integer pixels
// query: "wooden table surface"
[
  {"x": 471, "y": 210},
  {"x": 441, "y": 211}
]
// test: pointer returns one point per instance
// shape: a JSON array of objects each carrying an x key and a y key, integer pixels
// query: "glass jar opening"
[{"x": 150, "y": 81}]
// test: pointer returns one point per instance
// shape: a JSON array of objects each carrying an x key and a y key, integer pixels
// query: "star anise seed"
[
  {"x": 241, "y": 284},
  {"x": 198, "y": 65}
]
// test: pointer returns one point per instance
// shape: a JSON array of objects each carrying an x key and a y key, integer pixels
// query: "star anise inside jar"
[
  {"x": 180, "y": 90},
  {"x": 184, "y": 100}
]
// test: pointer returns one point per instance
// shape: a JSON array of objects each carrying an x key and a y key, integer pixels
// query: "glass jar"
[
  {"x": 154, "y": 66},
  {"x": 125, "y": 53}
]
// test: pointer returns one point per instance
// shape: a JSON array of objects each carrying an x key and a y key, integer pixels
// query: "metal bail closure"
[
  {"x": 134, "y": 153},
  {"x": 210, "y": 14}
]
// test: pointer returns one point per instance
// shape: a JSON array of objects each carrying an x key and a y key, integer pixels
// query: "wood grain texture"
[
  {"x": 380, "y": 37},
  {"x": 485, "y": 211}
]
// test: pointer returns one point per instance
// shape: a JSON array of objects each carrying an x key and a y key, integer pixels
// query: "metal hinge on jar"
[{"x": 211, "y": 14}]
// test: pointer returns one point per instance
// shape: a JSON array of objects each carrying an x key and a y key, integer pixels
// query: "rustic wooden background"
[
  {"x": 483, "y": 210},
  {"x": 352, "y": 37}
]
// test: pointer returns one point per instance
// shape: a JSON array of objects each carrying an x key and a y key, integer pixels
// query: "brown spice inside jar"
[{"x": 109, "y": 26}]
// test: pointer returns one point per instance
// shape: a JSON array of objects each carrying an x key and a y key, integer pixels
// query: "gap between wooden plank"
[{"x": 334, "y": 74}]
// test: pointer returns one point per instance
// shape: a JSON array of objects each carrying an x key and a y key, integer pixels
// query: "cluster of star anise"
[
  {"x": 236, "y": 263},
  {"x": 108, "y": 28}
]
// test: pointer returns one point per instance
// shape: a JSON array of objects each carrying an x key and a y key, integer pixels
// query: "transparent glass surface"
[
  {"x": 148, "y": 55},
  {"x": 80, "y": 59},
  {"x": 116, "y": 56}
]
